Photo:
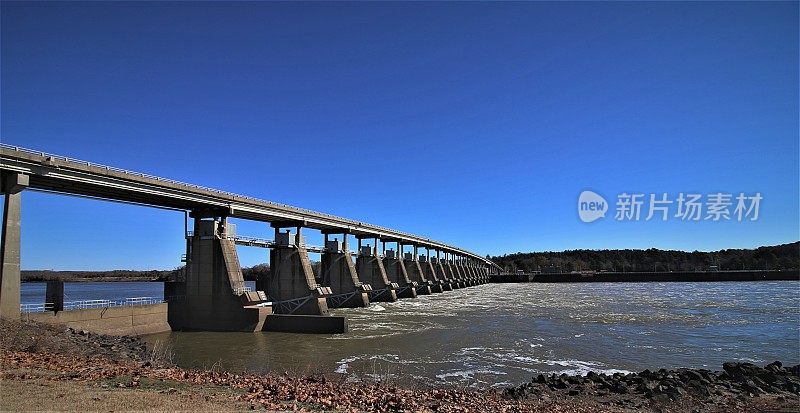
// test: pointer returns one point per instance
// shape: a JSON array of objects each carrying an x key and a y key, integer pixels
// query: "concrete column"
[
  {"x": 12, "y": 186},
  {"x": 415, "y": 273},
  {"x": 212, "y": 298},
  {"x": 468, "y": 268},
  {"x": 54, "y": 295},
  {"x": 451, "y": 276},
  {"x": 470, "y": 271},
  {"x": 460, "y": 271},
  {"x": 436, "y": 284},
  {"x": 370, "y": 270},
  {"x": 397, "y": 274},
  {"x": 292, "y": 284},
  {"x": 339, "y": 273},
  {"x": 457, "y": 272}
]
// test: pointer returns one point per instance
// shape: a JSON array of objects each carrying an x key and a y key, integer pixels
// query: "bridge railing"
[{"x": 242, "y": 290}]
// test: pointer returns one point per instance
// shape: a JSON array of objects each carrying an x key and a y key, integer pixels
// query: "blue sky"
[{"x": 477, "y": 124}]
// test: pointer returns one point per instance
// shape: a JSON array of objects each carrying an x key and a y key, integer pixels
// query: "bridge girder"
[{"x": 53, "y": 173}]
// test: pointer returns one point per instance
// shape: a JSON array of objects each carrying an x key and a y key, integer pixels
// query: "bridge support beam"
[
  {"x": 471, "y": 271},
  {"x": 212, "y": 298},
  {"x": 447, "y": 272},
  {"x": 437, "y": 285},
  {"x": 460, "y": 271},
  {"x": 292, "y": 285},
  {"x": 414, "y": 271},
  {"x": 339, "y": 273},
  {"x": 457, "y": 274},
  {"x": 12, "y": 186},
  {"x": 444, "y": 279},
  {"x": 370, "y": 270},
  {"x": 54, "y": 295},
  {"x": 397, "y": 274}
]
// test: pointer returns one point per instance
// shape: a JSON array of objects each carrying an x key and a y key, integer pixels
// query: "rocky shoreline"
[
  {"x": 736, "y": 381},
  {"x": 31, "y": 353}
]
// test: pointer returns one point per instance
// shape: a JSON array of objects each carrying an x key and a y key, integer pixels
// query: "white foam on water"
[
  {"x": 750, "y": 360},
  {"x": 468, "y": 374},
  {"x": 343, "y": 364},
  {"x": 580, "y": 368},
  {"x": 527, "y": 359},
  {"x": 377, "y": 307}
]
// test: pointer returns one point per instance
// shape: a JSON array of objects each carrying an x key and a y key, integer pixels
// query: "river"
[{"x": 499, "y": 334}]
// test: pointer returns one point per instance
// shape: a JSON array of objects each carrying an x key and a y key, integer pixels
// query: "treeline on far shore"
[
  {"x": 113, "y": 275},
  {"x": 249, "y": 273},
  {"x": 778, "y": 257}
]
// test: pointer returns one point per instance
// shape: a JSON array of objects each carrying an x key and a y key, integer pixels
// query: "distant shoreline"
[
  {"x": 96, "y": 279},
  {"x": 101, "y": 276},
  {"x": 660, "y": 276},
  {"x": 27, "y": 276}
]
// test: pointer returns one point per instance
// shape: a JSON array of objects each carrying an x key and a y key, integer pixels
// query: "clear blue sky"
[{"x": 477, "y": 124}]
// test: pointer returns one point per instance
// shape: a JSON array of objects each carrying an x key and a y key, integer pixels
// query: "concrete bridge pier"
[
  {"x": 464, "y": 270},
  {"x": 437, "y": 285},
  {"x": 414, "y": 270},
  {"x": 447, "y": 270},
  {"x": 478, "y": 272},
  {"x": 212, "y": 297},
  {"x": 471, "y": 269},
  {"x": 460, "y": 271},
  {"x": 437, "y": 268},
  {"x": 339, "y": 273},
  {"x": 456, "y": 269},
  {"x": 54, "y": 295},
  {"x": 482, "y": 271},
  {"x": 473, "y": 273},
  {"x": 443, "y": 273},
  {"x": 11, "y": 185},
  {"x": 397, "y": 273},
  {"x": 468, "y": 271},
  {"x": 292, "y": 285},
  {"x": 370, "y": 270}
]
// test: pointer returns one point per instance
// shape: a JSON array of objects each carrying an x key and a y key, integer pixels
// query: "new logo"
[{"x": 591, "y": 206}]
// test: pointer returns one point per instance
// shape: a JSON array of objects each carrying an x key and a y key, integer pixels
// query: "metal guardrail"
[
  {"x": 217, "y": 191},
  {"x": 36, "y": 308},
  {"x": 88, "y": 304},
  {"x": 242, "y": 290},
  {"x": 254, "y": 240}
]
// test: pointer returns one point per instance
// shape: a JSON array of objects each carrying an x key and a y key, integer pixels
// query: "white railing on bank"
[{"x": 87, "y": 304}]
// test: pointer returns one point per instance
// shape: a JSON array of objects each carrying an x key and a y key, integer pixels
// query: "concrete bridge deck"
[{"x": 61, "y": 174}]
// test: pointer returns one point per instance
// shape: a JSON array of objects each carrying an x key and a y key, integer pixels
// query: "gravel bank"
[{"x": 32, "y": 353}]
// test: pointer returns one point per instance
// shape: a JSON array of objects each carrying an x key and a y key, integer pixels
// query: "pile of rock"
[
  {"x": 30, "y": 336},
  {"x": 114, "y": 347},
  {"x": 737, "y": 380}
]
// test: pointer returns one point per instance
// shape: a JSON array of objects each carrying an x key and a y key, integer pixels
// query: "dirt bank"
[{"x": 76, "y": 370}]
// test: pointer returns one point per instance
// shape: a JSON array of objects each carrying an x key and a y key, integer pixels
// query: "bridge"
[{"x": 213, "y": 296}]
